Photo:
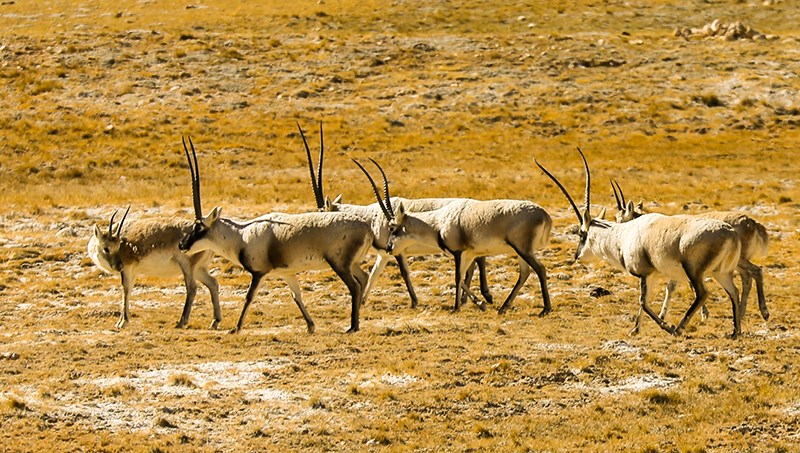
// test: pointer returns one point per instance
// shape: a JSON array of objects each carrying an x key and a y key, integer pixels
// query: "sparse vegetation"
[{"x": 454, "y": 99}]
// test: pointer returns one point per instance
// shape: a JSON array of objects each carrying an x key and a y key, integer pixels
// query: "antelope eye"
[{"x": 106, "y": 250}]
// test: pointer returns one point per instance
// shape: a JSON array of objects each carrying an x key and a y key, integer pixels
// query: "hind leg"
[
  {"x": 726, "y": 280},
  {"x": 128, "y": 280}
]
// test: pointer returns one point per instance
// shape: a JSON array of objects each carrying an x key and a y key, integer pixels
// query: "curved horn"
[
  {"x": 621, "y": 195},
  {"x": 587, "y": 190},
  {"x": 195, "y": 171},
  {"x": 315, "y": 186},
  {"x": 563, "y": 190},
  {"x": 319, "y": 165},
  {"x": 111, "y": 225},
  {"x": 387, "y": 198},
  {"x": 119, "y": 227},
  {"x": 386, "y": 212},
  {"x": 616, "y": 196}
]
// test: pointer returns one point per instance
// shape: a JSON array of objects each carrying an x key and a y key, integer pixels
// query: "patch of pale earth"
[
  {"x": 631, "y": 384},
  {"x": 398, "y": 380},
  {"x": 621, "y": 347},
  {"x": 794, "y": 409}
]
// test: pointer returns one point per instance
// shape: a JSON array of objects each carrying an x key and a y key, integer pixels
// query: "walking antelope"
[
  {"x": 752, "y": 234},
  {"x": 150, "y": 247},
  {"x": 471, "y": 230},
  {"x": 373, "y": 215},
  {"x": 283, "y": 244},
  {"x": 679, "y": 247}
]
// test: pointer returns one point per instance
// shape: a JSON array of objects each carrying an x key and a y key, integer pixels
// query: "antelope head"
[
  {"x": 585, "y": 219},
  {"x": 626, "y": 211},
  {"x": 202, "y": 225},
  {"x": 108, "y": 244},
  {"x": 394, "y": 218}
]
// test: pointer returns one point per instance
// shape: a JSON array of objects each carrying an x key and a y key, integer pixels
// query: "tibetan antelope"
[
  {"x": 752, "y": 234},
  {"x": 283, "y": 244},
  {"x": 654, "y": 245},
  {"x": 471, "y": 230},
  {"x": 150, "y": 247},
  {"x": 373, "y": 215}
]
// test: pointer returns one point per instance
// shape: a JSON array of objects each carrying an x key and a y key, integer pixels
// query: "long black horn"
[
  {"x": 318, "y": 197},
  {"x": 386, "y": 196},
  {"x": 587, "y": 192},
  {"x": 563, "y": 190},
  {"x": 119, "y": 227},
  {"x": 386, "y": 212},
  {"x": 621, "y": 195},
  {"x": 616, "y": 196},
  {"x": 195, "y": 171},
  {"x": 111, "y": 225},
  {"x": 319, "y": 165}
]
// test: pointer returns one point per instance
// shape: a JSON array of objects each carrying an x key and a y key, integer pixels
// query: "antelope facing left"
[
  {"x": 150, "y": 247},
  {"x": 476, "y": 229},
  {"x": 752, "y": 234},
  {"x": 653, "y": 246},
  {"x": 373, "y": 214},
  {"x": 283, "y": 244}
]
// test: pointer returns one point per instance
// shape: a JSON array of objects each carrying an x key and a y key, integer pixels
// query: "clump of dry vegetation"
[{"x": 454, "y": 99}]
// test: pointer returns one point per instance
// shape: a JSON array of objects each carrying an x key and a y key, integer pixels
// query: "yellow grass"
[{"x": 454, "y": 99}]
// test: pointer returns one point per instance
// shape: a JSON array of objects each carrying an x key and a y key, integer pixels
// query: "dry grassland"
[{"x": 455, "y": 98}]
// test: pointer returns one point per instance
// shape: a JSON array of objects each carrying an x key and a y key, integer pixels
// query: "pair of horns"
[
  {"x": 587, "y": 200},
  {"x": 195, "y": 171},
  {"x": 316, "y": 181},
  {"x": 111, "y": 232},
  {"x": 385, "y": 204},
  {"x": 621, "y": 203}
]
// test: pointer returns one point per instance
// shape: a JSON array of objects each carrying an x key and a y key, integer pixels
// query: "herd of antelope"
[{"x": 338, "y": 236}]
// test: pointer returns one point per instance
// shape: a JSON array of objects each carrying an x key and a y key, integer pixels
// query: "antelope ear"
[
  {"x": 587, "y": 218},
  {"x": 602, "y": 215},
  {"x": 327, "y": 205},
  {"x": 640, "y": 206},
  {"x": 97, "y": 233},
  {"x": 213, "y": 216},
  {"x": 400, "y": 213},
  {"x": 338, "y": 199}
]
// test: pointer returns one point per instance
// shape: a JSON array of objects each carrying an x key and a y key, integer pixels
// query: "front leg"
[
  {"x": 294, "y": 286},
  {"x": 251, "y": 292},
  {"x": 644, "y": 283},
  {"x": 128, "y": 280},
  {"x": 402, "y": 264}
]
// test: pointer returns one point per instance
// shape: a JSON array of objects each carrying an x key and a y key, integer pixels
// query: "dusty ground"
[{"x": 455, "y": 98}]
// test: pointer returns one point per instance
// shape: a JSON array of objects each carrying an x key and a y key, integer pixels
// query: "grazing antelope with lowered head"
[
  {"x": 283, "y": 244},
  {"x": 679, "y": 247},
  {"x": 150, "y": 247},
  {"x": 752, "y": 234},
  {"x": 373, "y": 215},
  {"x": 475, "y": 229}
]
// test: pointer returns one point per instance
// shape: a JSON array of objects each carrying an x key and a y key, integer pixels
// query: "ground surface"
[{"x": 455, "y": 98}]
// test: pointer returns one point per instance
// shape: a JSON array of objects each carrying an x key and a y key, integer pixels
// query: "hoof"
[
  {"x": 180, "y": 325},
  {"x": 545, "y": 312},
  {"x": 311, "y": 329},
  {"x": 215, "y": 324},
  {"x": 233, "y": 331},
  {"x": 765, "y": 315}
]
